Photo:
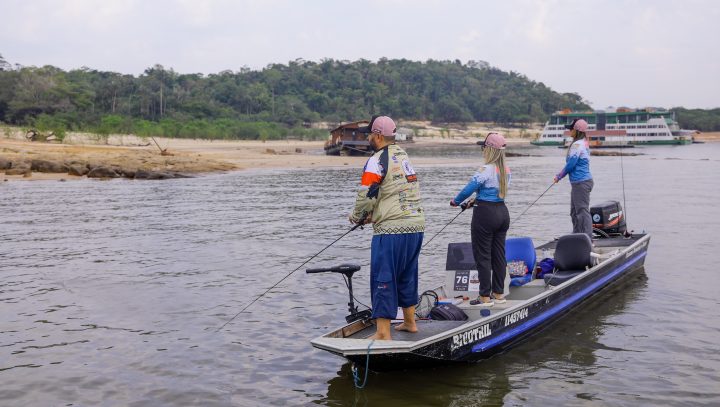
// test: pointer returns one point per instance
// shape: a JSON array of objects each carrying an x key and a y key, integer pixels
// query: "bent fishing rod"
[
  {"x": 465, "y": 205},
  {"x": 360, "y": 224}
]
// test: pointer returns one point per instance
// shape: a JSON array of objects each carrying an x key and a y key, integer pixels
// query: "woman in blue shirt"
[
  {"x": 490, "y": 221},
  {"x": 577, "y": 166}
]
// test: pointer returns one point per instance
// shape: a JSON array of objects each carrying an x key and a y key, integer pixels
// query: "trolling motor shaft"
[{"x": 347, "y": 270}]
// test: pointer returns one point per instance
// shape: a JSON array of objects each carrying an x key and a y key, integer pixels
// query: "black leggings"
[{"x": 490, "y": 223}]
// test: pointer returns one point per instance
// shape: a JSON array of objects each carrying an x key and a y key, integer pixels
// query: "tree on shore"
[{"x": 280, "y": 99}]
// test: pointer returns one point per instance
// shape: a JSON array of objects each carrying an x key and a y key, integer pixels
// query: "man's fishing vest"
[{"x": 390, "y": 192}]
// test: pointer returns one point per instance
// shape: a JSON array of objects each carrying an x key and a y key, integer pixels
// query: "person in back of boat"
[
  {"x": 490, "y": 220},
  {"x": 577, "y": 167},
  {"x": 389, "y": 198}
]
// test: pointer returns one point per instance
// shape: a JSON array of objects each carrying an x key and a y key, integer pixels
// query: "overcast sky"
[{"x": 611, "y": 52}]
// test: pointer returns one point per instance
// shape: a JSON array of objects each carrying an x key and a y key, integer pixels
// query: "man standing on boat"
[
  {"x": 577, "y": 166},
  {"x": 389, "y": 198}
]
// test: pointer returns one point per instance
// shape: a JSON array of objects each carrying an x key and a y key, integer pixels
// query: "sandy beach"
[
  {"x": 194, "y": 156},
  {"x": 181, "y": 156}
]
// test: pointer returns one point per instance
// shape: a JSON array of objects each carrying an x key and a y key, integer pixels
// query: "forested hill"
[{"x": 281, "y": 96}]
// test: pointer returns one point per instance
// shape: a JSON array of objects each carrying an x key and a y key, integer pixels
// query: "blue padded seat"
[
  {"x": 572, "y": 258},
  {"x": 460, "y": 257},
  {"x": 521, "y": 248}
]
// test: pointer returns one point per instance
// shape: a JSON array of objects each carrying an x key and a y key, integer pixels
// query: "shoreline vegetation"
[{"x": 85, "y": 155}]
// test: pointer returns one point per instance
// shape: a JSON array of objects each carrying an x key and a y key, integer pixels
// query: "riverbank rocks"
[
  {"x": 21, "y": 168},
  {"x": 102, "y": 172},
  {"x": 78, "y": 169},
  {"x": 48, "y": 166},
  {"x": 18, "y": 159},
  {"x": 142, "y": 174}
]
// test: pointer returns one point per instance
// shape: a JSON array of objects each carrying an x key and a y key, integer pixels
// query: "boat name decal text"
[
  {"x": 635, "y": 250},
  {"x": 470, "y": 336}
]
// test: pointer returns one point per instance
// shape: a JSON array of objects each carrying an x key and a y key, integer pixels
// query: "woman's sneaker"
[
  {"x": 500, "y": 300},
  {"x": 480, "y": 302}
]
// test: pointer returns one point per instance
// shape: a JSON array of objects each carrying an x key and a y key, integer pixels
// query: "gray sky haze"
[{"x": 612, "y": 52}]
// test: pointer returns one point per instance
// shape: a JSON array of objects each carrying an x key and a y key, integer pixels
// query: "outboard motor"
[{"x": 609, "y": 218}]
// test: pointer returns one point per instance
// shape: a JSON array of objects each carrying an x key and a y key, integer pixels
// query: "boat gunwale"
[{"x": 381, "y": 347}]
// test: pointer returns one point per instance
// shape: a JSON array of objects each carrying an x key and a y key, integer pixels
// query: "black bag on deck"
[{"x": 447, "y": 312}]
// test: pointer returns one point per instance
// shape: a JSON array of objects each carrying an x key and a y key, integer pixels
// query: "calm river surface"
[{"x": 111, "y": 292}]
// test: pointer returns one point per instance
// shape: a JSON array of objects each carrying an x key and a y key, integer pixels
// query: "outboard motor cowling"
[{"x": 608, "y": 217}]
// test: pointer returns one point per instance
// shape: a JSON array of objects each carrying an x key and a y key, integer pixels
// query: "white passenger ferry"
[{"x": 623, "y": 127}]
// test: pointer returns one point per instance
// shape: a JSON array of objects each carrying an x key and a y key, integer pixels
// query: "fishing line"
[
  {"x": 530, "y": 206},
  {"x": 463, "y": 206},
  {"x": 622, "y": 172},
  {"x": 358, "y": 225}
]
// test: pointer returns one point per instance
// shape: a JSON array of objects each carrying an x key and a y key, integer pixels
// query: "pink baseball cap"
[
  {"x": 380, "y": 125},
  {"x": 577, "y": 124},
  {"x": 494, "y": 140}
]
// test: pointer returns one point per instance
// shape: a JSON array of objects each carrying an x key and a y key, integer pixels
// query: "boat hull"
[
  {"x": 546, "y": 143},
  {"x": 484, "y": 339},
  {"x": 661, "y": 142}
]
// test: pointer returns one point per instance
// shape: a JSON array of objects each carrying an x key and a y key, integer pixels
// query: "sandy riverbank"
[
  {"x": 127, "y": 155},
  {"x": 708, "y": 137}
]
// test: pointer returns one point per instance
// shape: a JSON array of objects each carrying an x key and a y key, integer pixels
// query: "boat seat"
[
  {"x": 461, "y": 272},
  {"x": 572, "y": 257},
  {"x": 521, "y": 248}
]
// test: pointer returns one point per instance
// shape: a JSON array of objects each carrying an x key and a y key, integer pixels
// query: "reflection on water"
[{"x": 112, "y": 292}]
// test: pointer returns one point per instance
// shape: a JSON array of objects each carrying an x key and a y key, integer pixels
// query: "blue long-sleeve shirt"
[
  {"x": 485, "y": 184},
  {"x": 577, "y": 163}
]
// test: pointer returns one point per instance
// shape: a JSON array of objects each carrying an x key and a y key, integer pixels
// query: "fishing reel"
[{"x": 347, "y": 270}]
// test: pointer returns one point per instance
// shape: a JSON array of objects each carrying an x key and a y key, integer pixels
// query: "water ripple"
[{"x": 112, "y": 292}]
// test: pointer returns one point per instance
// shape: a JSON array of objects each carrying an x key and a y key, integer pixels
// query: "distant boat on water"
[
  {"x": 621, "y": 128},
  {"x": 347, "y": 140}
]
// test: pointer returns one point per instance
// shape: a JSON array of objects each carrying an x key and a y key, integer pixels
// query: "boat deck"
[
  {"x": 517, "y": 297},
  {"x": 615, "y": 241},
  {"x": 426, "y": 329},
  {"x": 353, "y": 339}
]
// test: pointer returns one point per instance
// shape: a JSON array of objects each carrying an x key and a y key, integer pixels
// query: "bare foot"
[
  {"x": 380, "y": 337},
  {"x": 407, "y": 328}
]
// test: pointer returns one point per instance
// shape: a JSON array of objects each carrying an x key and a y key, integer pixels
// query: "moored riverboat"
[
  {"x": 347, "y": 140},
  {"x": 623, "y": 127}
]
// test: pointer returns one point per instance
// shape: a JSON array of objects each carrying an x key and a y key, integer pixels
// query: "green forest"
[{"x": 280, "y": 100}]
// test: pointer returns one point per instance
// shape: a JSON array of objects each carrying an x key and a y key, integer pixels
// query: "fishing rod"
[
  {"x": 530, "y": 206},
  {"x": 360, "y": 224},
  {"x": 463, "y": 206}
]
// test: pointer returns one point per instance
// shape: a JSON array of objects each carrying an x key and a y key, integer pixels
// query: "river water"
[{"x": 112, "y": 293}]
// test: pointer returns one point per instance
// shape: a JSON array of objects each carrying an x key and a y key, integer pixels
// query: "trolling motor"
[{"x": 346, "y": 270}]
